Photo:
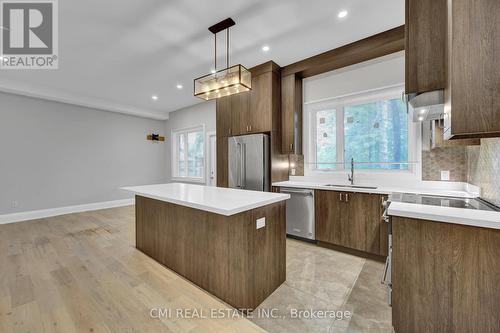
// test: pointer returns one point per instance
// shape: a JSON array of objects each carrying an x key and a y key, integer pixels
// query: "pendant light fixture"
[{"x": 224, "y": 82}]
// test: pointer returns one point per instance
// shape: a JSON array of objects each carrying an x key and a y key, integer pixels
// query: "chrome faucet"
[{"x": 351, "y": 176}]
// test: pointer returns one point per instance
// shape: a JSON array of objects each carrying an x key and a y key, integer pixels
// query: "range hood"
[{"x": 426, "y": 106}]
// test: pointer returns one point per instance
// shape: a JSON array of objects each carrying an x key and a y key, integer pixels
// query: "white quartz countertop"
[
  {"x": 219, "y": 200},
  {"x": 471, "y": 217},
  {"x": 378, "y": 190}
]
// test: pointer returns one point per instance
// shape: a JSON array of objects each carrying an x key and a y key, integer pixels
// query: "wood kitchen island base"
[{"x": 225, "y": 255}]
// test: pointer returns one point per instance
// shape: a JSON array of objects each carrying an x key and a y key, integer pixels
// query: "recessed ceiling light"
[
  {"x": 154, "y": 98},
  {"x": 342, "y": 14},
  {"x": 179, "y": 86},
  {"x": 213, "y": 71},
  {"x": 265, "y": 48}
]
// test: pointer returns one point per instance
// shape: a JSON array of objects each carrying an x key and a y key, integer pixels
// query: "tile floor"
[{"x": 324, "y": 279}]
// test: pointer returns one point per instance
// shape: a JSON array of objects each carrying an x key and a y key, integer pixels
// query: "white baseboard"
[{"x": 38, "y": 214}]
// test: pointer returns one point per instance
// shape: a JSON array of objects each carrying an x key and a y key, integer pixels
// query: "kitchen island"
[{"x": 229, "y": 242}]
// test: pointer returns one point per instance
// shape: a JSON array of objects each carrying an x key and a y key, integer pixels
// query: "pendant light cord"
[{"x": 227, "y": 48}]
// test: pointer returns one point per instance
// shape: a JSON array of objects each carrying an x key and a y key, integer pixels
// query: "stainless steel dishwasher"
[{"x": 300, "y": 213}]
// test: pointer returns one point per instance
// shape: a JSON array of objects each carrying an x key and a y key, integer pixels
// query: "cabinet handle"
[
  {"x": 250, "y": 128},
  {"x": 346, "y": 197},
  {"x": 340, "y": 196},
  {"x": 291, "y": 147}
]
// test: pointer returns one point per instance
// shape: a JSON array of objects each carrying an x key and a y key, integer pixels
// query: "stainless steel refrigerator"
[{"x": 248, "y": 162}]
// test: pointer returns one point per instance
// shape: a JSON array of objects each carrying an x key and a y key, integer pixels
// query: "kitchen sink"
[{"x": 353, "y": 186}]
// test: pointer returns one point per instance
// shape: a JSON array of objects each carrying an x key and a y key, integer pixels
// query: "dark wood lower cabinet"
[
  {"x": 445, "y": 277},
  {"x": 328, "y": 211},
  {"x": 351, "y": 220},
  {"x": 364, "y": 222}
]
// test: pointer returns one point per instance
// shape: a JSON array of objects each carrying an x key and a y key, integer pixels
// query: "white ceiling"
[{"x": 116, "y": 54}]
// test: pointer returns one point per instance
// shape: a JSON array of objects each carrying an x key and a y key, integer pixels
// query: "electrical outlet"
[
  {"x": 445, "y": 175},
  {"x": 261, "y": 223},
  {"x": 14, "y": 203}
]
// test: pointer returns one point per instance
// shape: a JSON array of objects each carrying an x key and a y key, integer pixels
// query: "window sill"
[
  {"x": 367, "y": 171},
  {"x": 362, "y": 171},
  {"x": 189, "y": 180}
]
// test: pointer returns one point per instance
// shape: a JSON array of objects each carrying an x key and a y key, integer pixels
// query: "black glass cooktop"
[{"x": 456, "y": 202}]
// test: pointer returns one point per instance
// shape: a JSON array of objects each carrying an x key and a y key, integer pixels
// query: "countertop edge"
[
  {"x": 224, "y": 212},
  {"x": 333, "y": 188},
  {"x": 379, "y": 190},
  {"x": 473, "y": 218}
]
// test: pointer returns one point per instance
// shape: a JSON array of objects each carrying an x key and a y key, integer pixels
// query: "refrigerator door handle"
[
  {"x": 243, "y": 165},
  {"x": 238, "y": 175}
]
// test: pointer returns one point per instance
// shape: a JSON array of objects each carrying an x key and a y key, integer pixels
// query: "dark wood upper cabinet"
[
  {"x": 261, "y": 104},
  {"x": 472, "y": 95},
  {"x": 291, "y": 114},
  {"x": 437, "y": 138},
  {"x": 223, "y": 117},
  {"x": 251, "y": 112},
  {"x": 425, "y": 46},
  {"x": 240, "y": 107},
  {"x": 453, "y": 45}
]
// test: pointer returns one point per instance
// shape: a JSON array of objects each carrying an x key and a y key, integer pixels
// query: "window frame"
[
  {"x": 339, "y": 103},
  {"x": 175, "y": 154}
]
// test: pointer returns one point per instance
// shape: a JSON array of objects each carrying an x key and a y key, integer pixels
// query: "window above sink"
[{"x": 371, "y": 127}]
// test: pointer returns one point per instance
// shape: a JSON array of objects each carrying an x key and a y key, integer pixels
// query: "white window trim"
[
  {"x": 175, "y": 157},
  {"x": 309, "y": 143}
]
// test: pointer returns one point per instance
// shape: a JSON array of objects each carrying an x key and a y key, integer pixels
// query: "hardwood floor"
[{"x": 82, "y": 273}]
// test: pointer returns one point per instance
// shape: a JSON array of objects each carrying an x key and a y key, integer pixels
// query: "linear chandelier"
[{"x": 227, "y": 81}]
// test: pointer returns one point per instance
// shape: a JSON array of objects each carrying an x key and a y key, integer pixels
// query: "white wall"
[
  {"x": 199, "y": 114},
  {"x": 381, "y": 72},
  {"x": 56, "y": 155}
]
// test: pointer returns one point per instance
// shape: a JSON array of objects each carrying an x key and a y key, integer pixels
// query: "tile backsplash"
[
  {"x": 296, "y": 162},
  {"x": 452, "y": 159},
  {"x": 483, "y": 168}
]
